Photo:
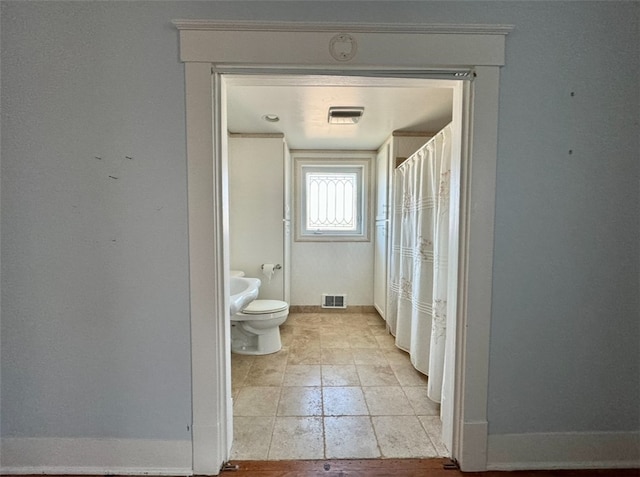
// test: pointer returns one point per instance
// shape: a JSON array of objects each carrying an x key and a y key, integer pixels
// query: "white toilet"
[{"x": 256, "y": 329}]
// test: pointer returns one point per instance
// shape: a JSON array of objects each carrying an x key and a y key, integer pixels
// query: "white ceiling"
[{"x": 302, "y": 104}]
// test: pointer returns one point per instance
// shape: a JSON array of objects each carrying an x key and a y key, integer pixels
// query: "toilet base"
[{"x": 267, "y": 342}]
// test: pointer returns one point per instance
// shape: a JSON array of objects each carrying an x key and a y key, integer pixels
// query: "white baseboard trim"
[
  {"x": 565, "y": 450},
  {"x": 472, "y": 447},
  {"x": 95, "y": 456}
]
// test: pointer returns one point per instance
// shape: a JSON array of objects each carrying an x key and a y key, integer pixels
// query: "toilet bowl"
[{"x": 256, "y": 329}]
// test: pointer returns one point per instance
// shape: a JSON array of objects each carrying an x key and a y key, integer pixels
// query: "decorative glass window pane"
[
  {"x": 332, "y": 201},
  {"x": 331, "y": 197}
]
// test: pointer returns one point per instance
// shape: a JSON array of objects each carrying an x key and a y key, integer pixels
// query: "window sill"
[{"x": 332, "y": 238}]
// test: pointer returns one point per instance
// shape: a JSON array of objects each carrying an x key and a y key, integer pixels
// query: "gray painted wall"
[
  {"x": 95, "y": 330},
  {"x": 95, "y": 322}
]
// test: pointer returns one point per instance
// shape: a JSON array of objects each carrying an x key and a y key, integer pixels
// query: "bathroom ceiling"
[{"x": 302, "y": 104}]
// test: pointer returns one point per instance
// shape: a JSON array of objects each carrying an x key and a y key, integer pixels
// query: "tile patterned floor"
[{"x": 338, "y": 389}]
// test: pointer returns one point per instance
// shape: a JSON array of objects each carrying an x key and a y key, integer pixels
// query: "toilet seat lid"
[{"x": 261, "y": 307}]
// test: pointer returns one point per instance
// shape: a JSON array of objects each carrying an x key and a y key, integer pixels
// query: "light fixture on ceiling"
[
  {"x": 271, "y": 118},
  {"x": 345, "y": 114}
]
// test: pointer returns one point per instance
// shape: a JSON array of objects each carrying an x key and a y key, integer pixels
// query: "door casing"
[{"x": 211, "y": 49}]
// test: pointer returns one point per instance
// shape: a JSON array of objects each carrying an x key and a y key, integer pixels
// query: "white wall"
[
  {"x": 95, "y": 330},
  {"x": 256, "y": 210},
  {"x": 334, "y": 268}
]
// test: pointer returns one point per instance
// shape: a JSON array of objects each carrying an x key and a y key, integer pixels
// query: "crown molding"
[{"x": 435, "y": 28}]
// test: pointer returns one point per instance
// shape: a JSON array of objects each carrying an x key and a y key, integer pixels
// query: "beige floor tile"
[
  {"x": 286, "y": 336},
  {"x": 357, "y": 325},
  {"x": 273, "y": 360},
  {"x": 369, "y": 356},
  {"x": 319, "y": 367},
  {"x": 344, "y": 401},
  {"x": 339, "y": 375},
  {"x": 303, "y": 355},
  {"x": 354, "y": 320},
  {"x": 308, "y": 327},
  {"x": 355, "y": 329},
  {"x": 336, "y": 356},
  {"x": 300, "y": 401},
  {"x": 286, "y": 330},
  {"x": 257, "y": 401},
  {"x": 422, "y": 405},
  {"x": 331, "y": 328},
  {"x": 374, "y": 319},
  {"x": 303, "y": 320},
  {"x": 350, "y": 437},
  {"x": 293, "y": 317},
  {"x": 402, "y": 437},
  {"x": 433, "y": 426},
  {"x": 297, "y": 438},
  {"x": 306, "y": 337},
  {"x": 286, "y": 341},
  {"x": 363, "y": 340},
  {"x": 265, "y": 376},
  {"x": 330, "y": 320},
  {"x": 376, "y": 375},
  {"x": 310, "y": 320},
  {"x": 302, "y": 375},
  {"x": 251, "y": 437},
  {"x": 387, "y": 401},
  {"x": 240, "y": 366},
  {"x": 378, "y": 329},
  {"x": 242, "y": 360},
  {"x": 333, "y": 339},
  {"x": 407, "y": 375},
  {"x": 395, "y": 355},
  {"x": 385, "y": 340},
  {"x": 238, "y": 378},
  {"x": 267, "y": 370}
]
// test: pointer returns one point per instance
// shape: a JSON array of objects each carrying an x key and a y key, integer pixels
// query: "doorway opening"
[
  {"x": 211, "y": 49},
  {"x": 415, "y": 107}
]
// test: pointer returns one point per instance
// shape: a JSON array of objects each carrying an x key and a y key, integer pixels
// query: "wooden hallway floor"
[{"x": 393, "y": 467}]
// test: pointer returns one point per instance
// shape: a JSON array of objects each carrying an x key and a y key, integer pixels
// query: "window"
[{"x": 331, "y": 198}]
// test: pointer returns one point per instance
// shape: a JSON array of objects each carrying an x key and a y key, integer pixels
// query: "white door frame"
[{"x": 209, "y": 48}]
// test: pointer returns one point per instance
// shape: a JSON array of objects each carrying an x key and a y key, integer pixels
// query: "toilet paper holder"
[{"x": 275, "y": 267}]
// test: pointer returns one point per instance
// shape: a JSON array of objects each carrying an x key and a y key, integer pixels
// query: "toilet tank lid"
[
  {"x": 237, "y": 273},
  {"x": 258, "y": 307}
]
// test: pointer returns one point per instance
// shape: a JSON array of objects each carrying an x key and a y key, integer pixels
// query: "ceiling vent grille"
[{"x": 345, "y": 114}]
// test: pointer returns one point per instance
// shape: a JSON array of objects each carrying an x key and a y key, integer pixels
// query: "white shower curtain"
[{"x": 418, "y": 291}]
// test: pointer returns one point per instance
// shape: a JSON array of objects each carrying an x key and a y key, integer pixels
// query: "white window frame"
[{"x": 333, "y": 161}]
